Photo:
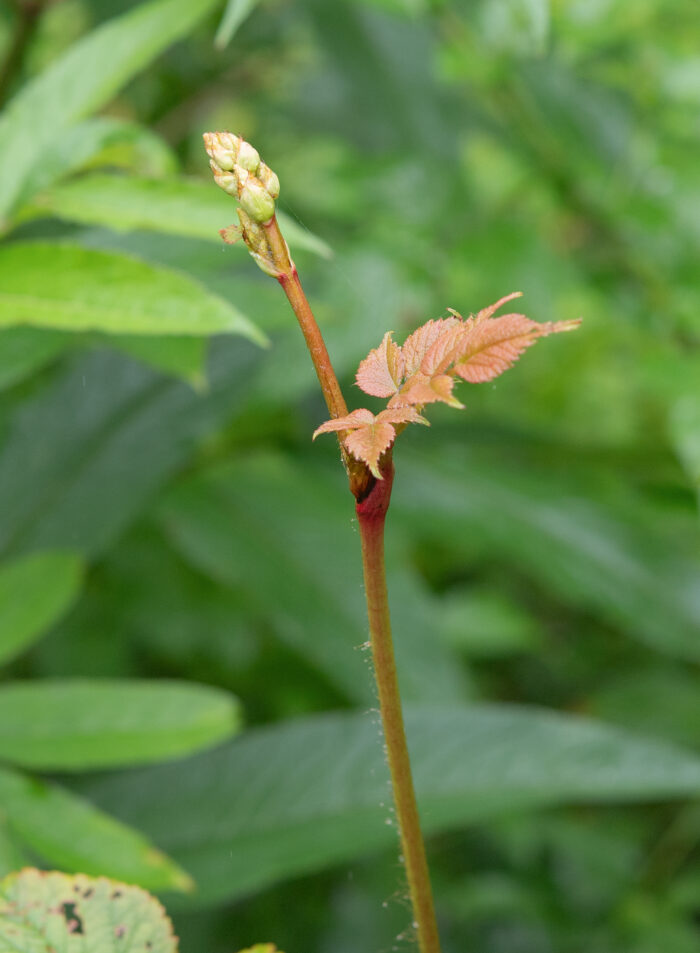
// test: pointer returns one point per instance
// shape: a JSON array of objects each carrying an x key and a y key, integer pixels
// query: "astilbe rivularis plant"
[{"x": 422, "y": 371}]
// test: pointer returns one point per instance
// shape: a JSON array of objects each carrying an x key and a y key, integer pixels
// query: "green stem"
[{"x": 371, "y": 513}]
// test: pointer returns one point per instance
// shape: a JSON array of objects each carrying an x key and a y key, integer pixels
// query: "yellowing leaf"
[
  {"x": 42, "y": 912},
  {"x": 381, "y": 372},
  {"x": 262, "y": 948},
  {"x": 493, "y": 346}
]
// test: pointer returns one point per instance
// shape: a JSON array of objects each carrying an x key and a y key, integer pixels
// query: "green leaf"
[
  {"x": 34, "y": 593},
  {"x": 69, "y": 832},
  {"x": 263, "y": 526},
  {"x": 484, "y": 624},
  {"x": 685, "y": 432},
  {"x": 175, "y": 354},
  {"x": 175, "y": 206},
  {"x": 101, "y": 141},
  {"x": 515, "y": 26},
  {"x": 77, "y": 724},
  {"x": 81, "y": 81},
  {"x": 85, "y": 455},
  {"x": 11, "y": 855},
  {"x": 287, "y": 799},
  {"x": 235, "y": 13},
  {"x": 656, "y": 701},
  {"x": 44, "y": 912},
  {"x": 25, "y": 350},
  {"x": 580, "y": 549},
  {"x": 77, "y": 289}
]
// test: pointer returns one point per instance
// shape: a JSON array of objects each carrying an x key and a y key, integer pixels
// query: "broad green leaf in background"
[
  {"x": 11, "y": 855},
  {"x": 181, "y": 355},
  {"x": 25, "y": 350},
  {"x": 582, "y": 550},
  {"x": 35, "y": 591},
  {"x": 72, "y": 834},
  {"x": 291, "y": 798},
  {"x": 83, "y": 289},
  {"x": 486, "y": 624},
  {"x": 266, "y": 526},
  {"x": 685, "y": 432},
  {"x": 41, "y": 912},
  {"x": 101, "y": 141},
  {"x": 192, "y": 208},
  {"x": 78, "y": 724},
  {"x": 80, "y": 485},
  {"x": 658, "y": 701},
  {"x": 84, "y": 78},
  {"x": 235, "y": 13}
]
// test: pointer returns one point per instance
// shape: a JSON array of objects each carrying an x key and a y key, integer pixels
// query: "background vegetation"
[{"x": 171, "y": 541}]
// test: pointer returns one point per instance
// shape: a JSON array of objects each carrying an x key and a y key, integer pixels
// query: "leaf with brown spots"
[{"x": 41, "y": 912}]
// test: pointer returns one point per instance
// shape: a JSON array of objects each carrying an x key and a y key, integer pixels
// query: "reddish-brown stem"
[
  {"x": 289, "y": 279},
  {"x": 372, "y": 498},
  {"x": 371, "y": 514},
  {"x": 278, "y": 253}
]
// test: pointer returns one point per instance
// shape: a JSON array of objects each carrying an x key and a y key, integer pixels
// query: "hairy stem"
[
  {"x": 372, "y": 501},
  {"x": 358, "y": 475},
  {"x": 289, "y": 279},
  {"x": 371, "y": 513}
]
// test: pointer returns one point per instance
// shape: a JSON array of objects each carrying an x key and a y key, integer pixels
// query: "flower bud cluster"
[{"x": 239, "y": 171}]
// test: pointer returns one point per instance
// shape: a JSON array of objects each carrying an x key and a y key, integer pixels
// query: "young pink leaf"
[
  {"x": 493, "y": 308},
  {"x": 370, "y": 436},
  {"x": 442, "y": 352},
  {"x": 494, "y": 345},
  {"x": 368, "y": 443},
  {"x": 402, "y": 415},
  {"x": 358, "y": 418},
  {"x": 417, "y": 345},
  {"x": 422, "y": 389},
  {"x": 381, "y": 372}
]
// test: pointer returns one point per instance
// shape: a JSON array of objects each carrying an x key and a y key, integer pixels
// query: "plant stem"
[
  {"x": 371, "y": 513},
  {"x": 358, "y": 474},
  {"x": 289, "y": 279},
  {"x": 372, "y": 501}
]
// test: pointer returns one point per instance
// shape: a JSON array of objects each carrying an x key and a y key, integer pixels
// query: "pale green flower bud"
[
  {"x": 269, "y": 180},
  {"x": 228, "y": 181},
  {"x": 248, "y": 157},
  {"x": 256, "y": 200},
  {"x": 257, "y": 241},
  {"x": 222, "y": 148}
]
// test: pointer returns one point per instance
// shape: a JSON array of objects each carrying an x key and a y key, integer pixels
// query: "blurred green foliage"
[{"x": 165, "y": 520}]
